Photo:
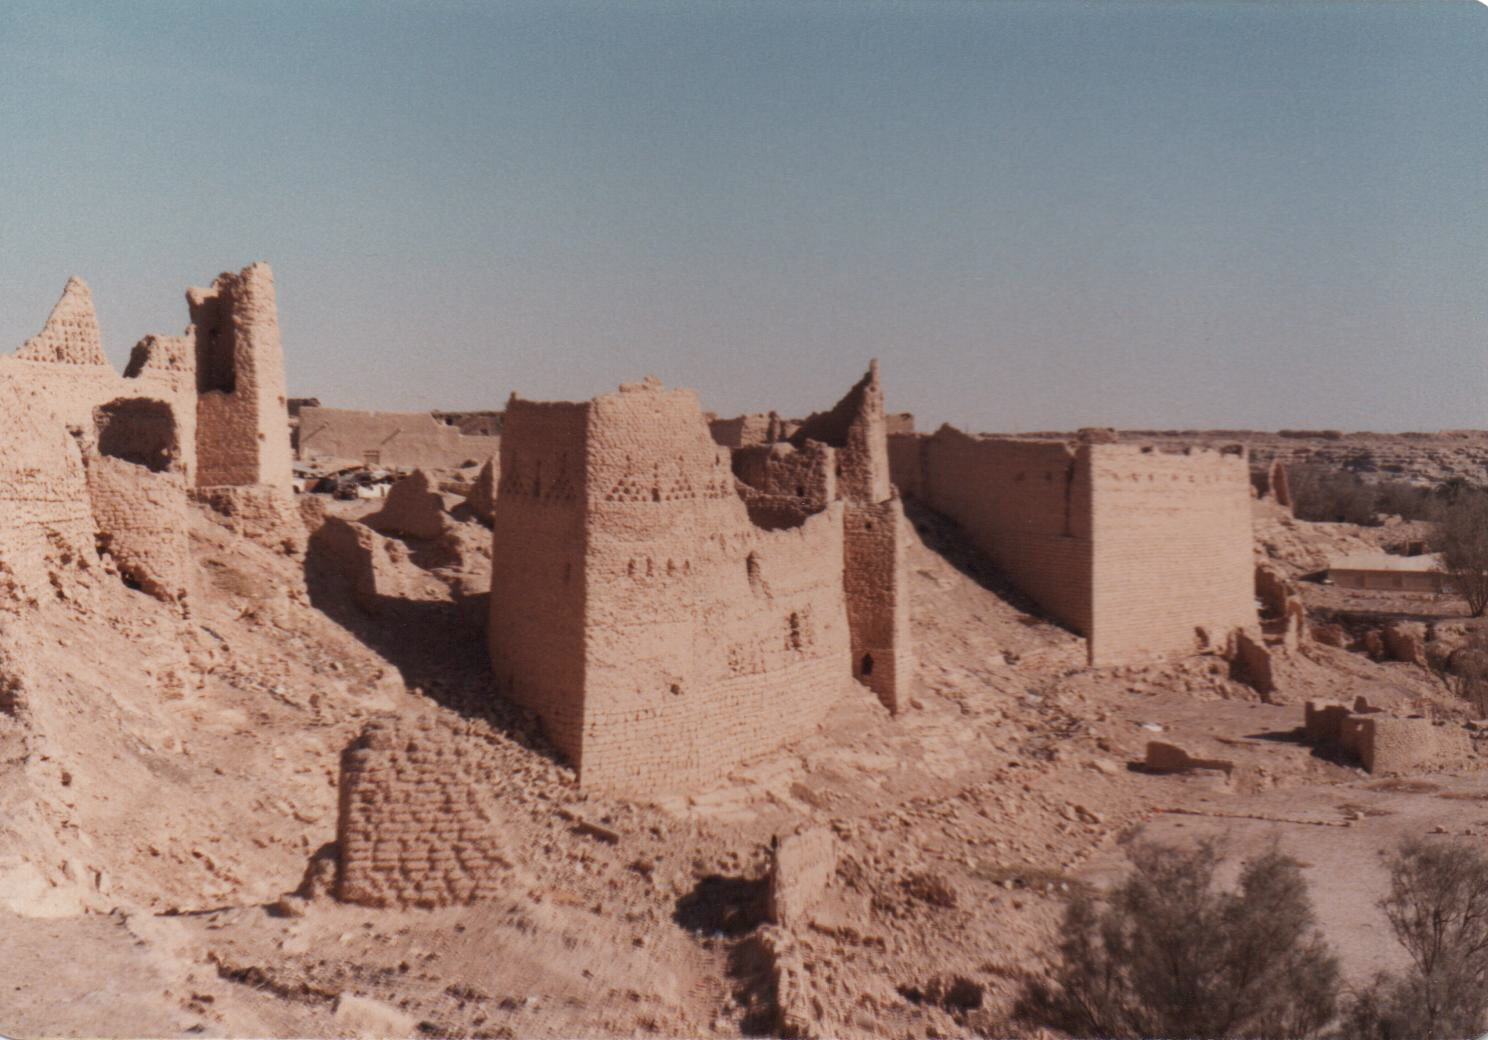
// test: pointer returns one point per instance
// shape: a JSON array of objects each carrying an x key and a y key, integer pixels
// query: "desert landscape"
[
  {"x": 655, "y": 722},
  {"x": 744, "y": 519}
]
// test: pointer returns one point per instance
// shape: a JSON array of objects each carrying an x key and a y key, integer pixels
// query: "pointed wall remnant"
[
  {"x": 70, "y": 335},
  {"x": 1281, "y": 488},
  {"x": 856, "y": 427}
]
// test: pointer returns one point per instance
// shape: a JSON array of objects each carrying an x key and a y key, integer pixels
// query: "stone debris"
[
  {"x": 1162, "y": 757},
  {"x": 413, "y": 507},
  {"x": 801, "y": 867}
]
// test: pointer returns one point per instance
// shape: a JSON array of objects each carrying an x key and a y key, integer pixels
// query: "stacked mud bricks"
[{"x": 416, "y": 825}]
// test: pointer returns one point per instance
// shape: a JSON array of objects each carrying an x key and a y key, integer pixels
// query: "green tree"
[
  {"x": 1437, "y": 906},
  {"x": 1170, "y": 955}
]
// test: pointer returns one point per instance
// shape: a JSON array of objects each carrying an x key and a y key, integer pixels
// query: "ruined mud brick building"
[
  {"x": 398, "y": 440},
  {"x": 672, "y": 608},
  {"x": 418, "y": 824},
  {"x": 1144, "y": 552},
  {"x": 201, "y": 413}
]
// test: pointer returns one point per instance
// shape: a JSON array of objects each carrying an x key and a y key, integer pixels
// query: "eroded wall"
[
  {"x": 400, "y": 440},
  {"x": 417, "y": 824}
]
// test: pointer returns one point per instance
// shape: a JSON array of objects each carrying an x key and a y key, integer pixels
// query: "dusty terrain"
[{"x": 169, "y": 773}]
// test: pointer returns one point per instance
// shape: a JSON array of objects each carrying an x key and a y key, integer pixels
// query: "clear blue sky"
[{"x": 1037, "y": 215}]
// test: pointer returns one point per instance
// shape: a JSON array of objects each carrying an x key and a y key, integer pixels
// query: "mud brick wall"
[
  {"x": 669, "y": 621},
  {"x": 241, "y": 410},
  {"x": 876, "y": 583},
  {"x": 745, "y": 431},
  {"x": 784, "y": 484},
  {"x": 417, "y": 825},
  {"x": 401, "y": 440},
  {"x": 140, "y": 519},
  {"x": 1136, "y": 549},
  {"x": 857, "y": 427},
  {"x": 536, "y": 631},
  {"x": 1173, "y": 550},
  {"x": 70, "y": 335},
  {"x": 1020, "y": 502},
  {"x": 710, "y": 640},
  {"x": 45, "y": 517}
]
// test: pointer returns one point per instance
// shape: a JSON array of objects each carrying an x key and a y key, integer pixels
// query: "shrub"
[
  {"x": 1437, "y": 907},
  {"x": 1170, "y": 955},
  {"x": 1461, "y": 536},
  {"x": 1464, "y": 669},
  {"x": 1323, "y": 493}
]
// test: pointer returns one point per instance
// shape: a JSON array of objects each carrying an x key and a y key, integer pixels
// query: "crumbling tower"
[
  {"x": 662, "y": 635},
  {"x": 875, "y": 573},
  {"x": 242, "y": 426}
]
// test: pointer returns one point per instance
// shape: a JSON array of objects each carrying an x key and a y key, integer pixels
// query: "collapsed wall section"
[
  {"x": 417, "y": 825},
  {"x": 1173, "y": 567}
]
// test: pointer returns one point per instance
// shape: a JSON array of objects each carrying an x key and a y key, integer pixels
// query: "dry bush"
[
  {"x": 1170, "y": 955},
  {"x": 1464, "y": 670},
  {"x": 1326, "y": 493},
  {"x": 1323, "y": 493},
  {"x": 1437, "y": 907},
  {"x": 1461, "y": 536}
]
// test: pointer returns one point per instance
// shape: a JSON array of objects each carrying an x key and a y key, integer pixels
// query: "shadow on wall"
[
  {"x": 138, "y": 430},
  {"x": 432, "y": 643},
  {"x": 942, "y": 536}
]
